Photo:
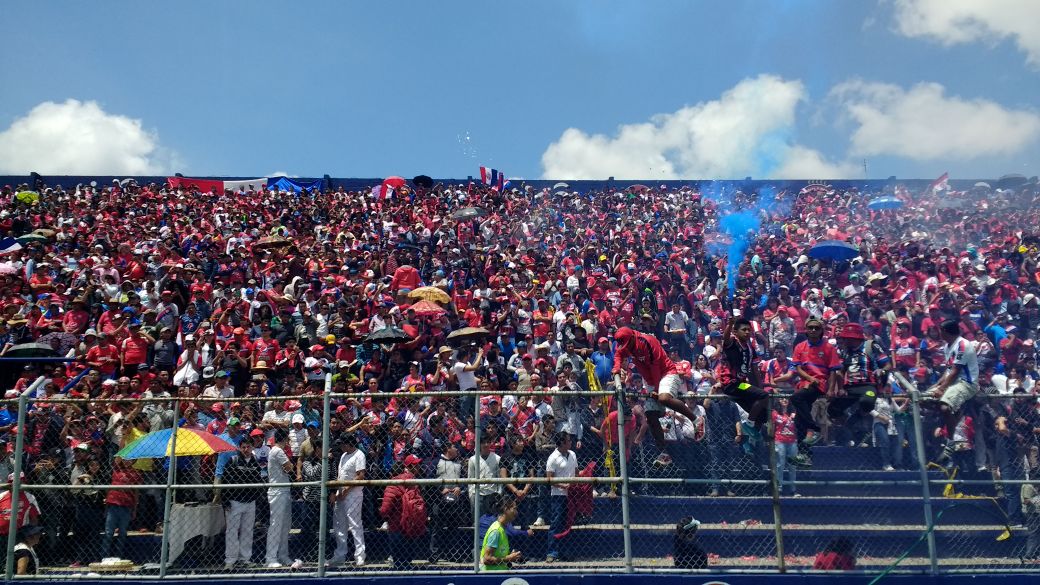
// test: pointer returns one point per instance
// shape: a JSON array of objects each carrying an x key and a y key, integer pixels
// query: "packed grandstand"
[{"x": 258, "y": 320}]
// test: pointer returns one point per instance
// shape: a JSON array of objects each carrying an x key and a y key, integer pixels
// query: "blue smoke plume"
[{"x": 741, "y": 227}]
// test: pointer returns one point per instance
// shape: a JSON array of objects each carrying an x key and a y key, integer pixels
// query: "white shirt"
[
  {"x": 676, "y": 321},
  {"x": 962, "y": 353},
  {"x": 561, "y": 467},
  {"x": 275, "y": 472},
  {"x": 467, "y": 380},
  {"x": 488, "y": 469},
  {"x": 349, "y": 465}
]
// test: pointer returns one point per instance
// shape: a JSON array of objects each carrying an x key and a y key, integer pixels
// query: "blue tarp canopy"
[{"x": 290, "y": 184}]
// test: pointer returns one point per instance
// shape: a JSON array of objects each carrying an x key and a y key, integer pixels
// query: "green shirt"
[{"x": 497, "y": 540}]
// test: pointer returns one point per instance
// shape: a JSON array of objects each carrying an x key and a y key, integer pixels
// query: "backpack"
[{"x": 413, "y": 513}]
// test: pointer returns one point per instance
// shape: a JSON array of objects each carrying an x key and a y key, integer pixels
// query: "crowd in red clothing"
[{"x": 163, "y": 292}]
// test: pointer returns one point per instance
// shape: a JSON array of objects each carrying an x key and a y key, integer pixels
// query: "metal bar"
[
  {"x": 44, "y": 360},
  {"x": 16, "y": 484},
  {"x": 926, "y": 492},
  {"x": 774, "y": 485},
  {"x": 478, "y": 538},
  {"x": 171, "y": 479},
  {"x": 323, "y": 507},
  {"x": 346, "y": 395},
  {"x": 623, "y": 471}
]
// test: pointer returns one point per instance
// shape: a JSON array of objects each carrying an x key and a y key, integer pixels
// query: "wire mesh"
[{"x": 107, "y": 507}]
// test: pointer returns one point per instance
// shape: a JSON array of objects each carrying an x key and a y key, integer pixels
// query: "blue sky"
[{"x": 376, "y": 88}]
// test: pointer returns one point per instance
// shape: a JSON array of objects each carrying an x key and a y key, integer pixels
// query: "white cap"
[
  {"x": 208, "y": 372},
  {"x": 297, "y": 418}
]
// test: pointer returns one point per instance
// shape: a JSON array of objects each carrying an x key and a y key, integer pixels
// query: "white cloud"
[
  {"x": 922, "y": 123},
  {"x": 81, "y": 138},
  {"x": 963, "y": 21},
  {"x": 744, "y": 132}
]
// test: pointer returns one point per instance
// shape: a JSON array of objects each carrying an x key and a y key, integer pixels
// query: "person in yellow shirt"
[
  {"x": 495, "y": 554},
  {"x": 150, "y": 507}
]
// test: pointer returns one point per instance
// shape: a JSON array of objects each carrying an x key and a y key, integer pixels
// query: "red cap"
[
  {"x": 852, "y": 331},
  {"x": 604, "y": 340},
  {"x": 256, "y": 433},
  {"x": 412, "y": 460},
  {"x": 317, "y": 347}
]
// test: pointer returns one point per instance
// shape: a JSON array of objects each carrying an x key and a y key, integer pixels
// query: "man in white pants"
[
  {"x": 240, "y": 508},
  {"x": 280, "y": 501},
  {"x": 347, "y": 512}
]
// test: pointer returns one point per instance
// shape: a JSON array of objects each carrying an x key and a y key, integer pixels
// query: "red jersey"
[
  {"x": 817, "y": 360},
  {"x": 646, "y": 352}
]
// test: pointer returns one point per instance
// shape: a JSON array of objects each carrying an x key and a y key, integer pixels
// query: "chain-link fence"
[{"x": 328, "y": 483}]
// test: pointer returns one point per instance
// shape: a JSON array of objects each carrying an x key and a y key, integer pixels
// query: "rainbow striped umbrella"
[{"x": 190, "y": 443}]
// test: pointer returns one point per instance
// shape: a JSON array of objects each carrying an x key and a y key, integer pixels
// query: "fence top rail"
[{"x": 308, "y": 396}]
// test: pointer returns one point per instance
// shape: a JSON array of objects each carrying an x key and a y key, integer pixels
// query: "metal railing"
[{"x": 752, "y": 517}]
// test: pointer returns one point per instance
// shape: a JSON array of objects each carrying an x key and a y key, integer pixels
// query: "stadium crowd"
[{"x": 238, "y": 304}]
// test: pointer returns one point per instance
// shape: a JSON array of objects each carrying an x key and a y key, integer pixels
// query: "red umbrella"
[{"x": 427, "y": 309}]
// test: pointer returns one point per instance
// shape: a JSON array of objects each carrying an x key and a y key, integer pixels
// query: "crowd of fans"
[{"x": 239, "y": 303}]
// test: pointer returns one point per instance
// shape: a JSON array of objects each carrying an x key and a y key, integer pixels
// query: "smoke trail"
[{"x": 741, "y": 227}]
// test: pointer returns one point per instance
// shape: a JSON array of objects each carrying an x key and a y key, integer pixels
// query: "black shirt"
[{"x": 240, "y": 470}]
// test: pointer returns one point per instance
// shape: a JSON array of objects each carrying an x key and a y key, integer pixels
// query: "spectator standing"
[
  {"x": 279, "y": 499},
  {"x": 346, "y": 517},
  {"x": 240, "y": 505},
  {"x": 495, "y": 553},
  {"x": 404, "y": 510},
  {"x": 485, "y": 465},
  {"x": 120, "y": 505},
  {"x": 562, "y": 465},
  {"x": 786, "y": 436}
]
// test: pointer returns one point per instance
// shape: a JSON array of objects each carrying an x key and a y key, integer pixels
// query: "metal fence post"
[
  {"x": 16, "y": 483},
  {"x": 623, "y": 467},
  {"x": 770, "y": 443},
  {"x": 926, "y": 488},
  {"x": 171, "y": 479},
  {"x": 478, "y": 538},
  {"x": 323, "y": 527}
]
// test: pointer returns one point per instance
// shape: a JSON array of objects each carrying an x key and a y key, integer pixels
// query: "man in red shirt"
[
  {"x": 104, "y": 357},
  {"x": 816, "y": 361},
  {"x": 906, "y": 349},
  {"x": 134, "y": 349},
  {"x": 266, "y": 348},
  {"x": 659, "y": 373}
]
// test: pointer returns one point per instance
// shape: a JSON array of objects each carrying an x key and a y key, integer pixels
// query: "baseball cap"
[
  {"x": 256, "y": 433},
  {"x": 412, "y": 460},
  {"x": 233, "y": 421},
  {"x": 297, "y": 418}
]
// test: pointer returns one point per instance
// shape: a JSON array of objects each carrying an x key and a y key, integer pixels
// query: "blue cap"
[
  {"x": 313, "y": 424},
  {"x": 135, "y": 322},
  {"x": 249, "y": 291}
]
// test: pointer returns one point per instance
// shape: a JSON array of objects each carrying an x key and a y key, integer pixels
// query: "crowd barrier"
[{"x": 719, "y": 509}]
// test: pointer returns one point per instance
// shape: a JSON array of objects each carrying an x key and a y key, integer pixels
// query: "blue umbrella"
[
  {"x": 888, "y": 202},
  {"x": 833, "y": 250}
]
